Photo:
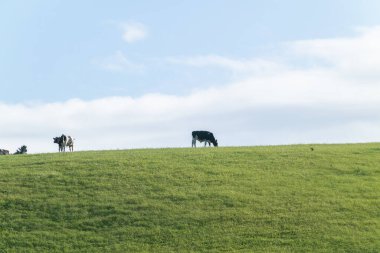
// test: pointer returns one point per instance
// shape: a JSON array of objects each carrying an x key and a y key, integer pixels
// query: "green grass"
[{"x": 241, "y": 199}]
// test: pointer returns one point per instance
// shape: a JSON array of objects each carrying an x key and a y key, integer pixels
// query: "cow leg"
[{"x": 194, "y": 142}]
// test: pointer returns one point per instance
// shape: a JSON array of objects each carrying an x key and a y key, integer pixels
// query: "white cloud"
[
  {"x": 134, "y": 31},
  {"x": 359, "y": 55},
  {"x": 119, "y": 62},
  {"x": 236, "y": 65},
  {"x": 288, "y": 108},
  {"x": 333, "y": 102}
]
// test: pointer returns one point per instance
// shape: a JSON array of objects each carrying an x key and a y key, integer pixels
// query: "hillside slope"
[{"x": 272, "y": 199}]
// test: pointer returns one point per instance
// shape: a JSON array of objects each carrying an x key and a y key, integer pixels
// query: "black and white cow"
[
  {"x": 4, "y": 152},
  {"x": 70, "y": 143},
  {"x": 203, "y": 136},
  {"x": 64, "y": 141},
  {"x": 61, "y": 141}
]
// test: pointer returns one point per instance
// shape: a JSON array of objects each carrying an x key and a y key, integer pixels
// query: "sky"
[{"x": 144, "y": 74}]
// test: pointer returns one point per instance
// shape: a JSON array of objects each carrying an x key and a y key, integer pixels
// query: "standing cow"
[
  {"x": 203, "y": 136},
  {"x": 64, "y": 141},
  {"x": 70, "y": 143},
  {"x": 4, "y": 152}
]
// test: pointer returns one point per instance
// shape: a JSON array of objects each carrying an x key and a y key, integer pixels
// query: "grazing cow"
[
  {"x": 64, "y": 141},
  {"x": 203, "y": 136},
  {"x": 4, "y": 152}
]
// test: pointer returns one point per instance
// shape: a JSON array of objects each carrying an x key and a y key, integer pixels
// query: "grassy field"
[{"x": 247, "y": 199}]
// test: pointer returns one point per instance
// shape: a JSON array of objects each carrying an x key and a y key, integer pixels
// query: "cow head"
[
  {"x": 215, "y": 143},
  {"x": 56, "y": 139}
]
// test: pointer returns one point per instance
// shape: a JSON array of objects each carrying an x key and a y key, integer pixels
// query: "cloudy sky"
[{"x": 120, "y": 74}]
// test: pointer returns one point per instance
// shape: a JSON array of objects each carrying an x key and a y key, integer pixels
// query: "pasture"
[{"x": 238, "y": 199}]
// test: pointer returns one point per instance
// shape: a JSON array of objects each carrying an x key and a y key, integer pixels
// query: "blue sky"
[
  {"x": 148, "y": 54},
  {"x": 49, "y": 48}
]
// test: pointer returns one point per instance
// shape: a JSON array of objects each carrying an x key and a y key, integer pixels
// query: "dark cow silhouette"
[
  {"x": 4, "y": 152},
  {"x": 203, "y": 136},
  {"x": 64, "y": 141},
  {"x": 22, "y": 150},
  {"x": 61, "y": 141}
]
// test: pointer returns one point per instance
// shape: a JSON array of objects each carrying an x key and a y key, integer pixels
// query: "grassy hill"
[{"x": 248, "y": 199}]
